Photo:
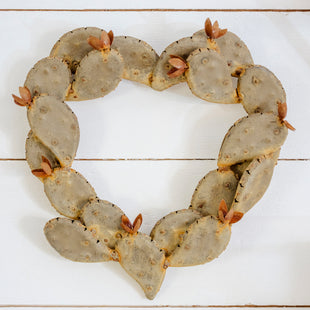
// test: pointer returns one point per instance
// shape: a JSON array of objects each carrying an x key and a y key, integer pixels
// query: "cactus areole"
[{"x": 88, "y": 63}]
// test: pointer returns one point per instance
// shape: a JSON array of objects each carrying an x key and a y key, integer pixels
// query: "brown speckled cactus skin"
[
  {"x": 182, "y": 48},
  {"x": 98, "y": 73},
  {"x": 251, "y": 137},
  {"x": 56, "y": 126},
  {"x": 139, "y": 58},
  {"x": 260, "y": 90},
  {"x": 232, "y": 49},
  {"x": 191, "y": 251},
  {"x": 74, "y": 241},
  {"x": 34, "y": 152},
  {"x": 254, "y": 182},
  {"x": 208, "y": 77},
  {"x": 168, "y": 231},
  {"x": 49, "y": 76},
  {"x": 73, "y": 46},
  {"x": 211, "y": 189},
  {"x": 105, "y": 218},
  {"x": 143, "y": 260},
  {"x": 68, "y": 191}
]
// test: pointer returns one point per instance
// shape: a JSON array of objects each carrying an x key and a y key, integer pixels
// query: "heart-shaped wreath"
[{"x": 88, "y": 63}]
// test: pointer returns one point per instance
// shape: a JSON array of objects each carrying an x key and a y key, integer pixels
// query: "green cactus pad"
[
  {"x": 68, "y": 191},
  {"x": 56, "y": 126},
  {"x": 97, "y": 75},
  {"x": 232, "y": 49},
  {"x": 208, "y": 77},
  {"x": 139, "y": 58},
  {"x": 105, "y": 218},
  {"x": 183, "y": 48},
  {"x": 251, "y": 137},
  {"x": 169, "y": 230},
  {"x": 35, "y": 150},
  {"x": 211, "y": 189},
  {"x": 143, "y": 260},
  {"x": 260, "y": 90},
  {"x": 49, "y": 76},
  {"x": 254, "y": 182},
  {"x": 73, "y": 45},
  {"x": 204, "y": 241},
  {"x": 74, "y": 241}
]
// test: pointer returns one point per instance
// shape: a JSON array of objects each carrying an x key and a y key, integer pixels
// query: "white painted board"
[
  {"x": 269, "y": 249},
  {"x": 267, "y": 259},
  {"x": 135, "y": 121},
  {"x": 159, "y": 4}
]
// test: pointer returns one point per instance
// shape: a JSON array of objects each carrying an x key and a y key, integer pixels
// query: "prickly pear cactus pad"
[
  {"x": 56, "y": 126},
  {"x": 139, "y": 58},
  {"x": 88, "y": 63},
  {"x": 35, "y": 150},
  {"x": 50, "y": 76},
  {"x": 211, "y": 189},
  {"x": 74, "y": 241},
  {"x": 105, "y": 218},
  {"x": 260, "y": 90},
  {"x": 208, "y": 76},
  {"x": 73, "y": 46},
  {"x": 162, "y": 74},
  {"x": 97, "y": 74},
  {"x": 169, "y": 230}
]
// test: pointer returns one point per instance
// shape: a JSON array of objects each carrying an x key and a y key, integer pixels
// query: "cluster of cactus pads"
[{"x": 88, "y": 63}]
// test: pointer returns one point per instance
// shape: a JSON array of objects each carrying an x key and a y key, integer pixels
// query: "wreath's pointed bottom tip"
[{"x": 143, "y": 261}]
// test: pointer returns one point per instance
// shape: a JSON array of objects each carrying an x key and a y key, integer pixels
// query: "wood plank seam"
[
  {"x": 155, "y": 306},
  {"x": 157, "y": 10},
  {"x": 149, "y": 159}
]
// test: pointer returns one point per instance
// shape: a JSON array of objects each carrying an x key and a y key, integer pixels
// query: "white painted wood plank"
[
  {"x": 141, "y": 308},
  {"x": 134, "y": 120},
  {"x": 159, "y": 4},
  {"x": 156, "y": 307},
  {"x": 266, "y": 262}
]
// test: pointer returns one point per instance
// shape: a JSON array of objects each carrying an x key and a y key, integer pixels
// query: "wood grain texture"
[{"x": 180, "y": 307}]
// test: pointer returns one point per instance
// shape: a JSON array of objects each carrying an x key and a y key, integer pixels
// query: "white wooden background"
[{"x": 146, "y": 150}]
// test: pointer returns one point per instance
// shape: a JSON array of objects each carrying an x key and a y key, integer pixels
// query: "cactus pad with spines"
[
  {"x": 208, "y": 77},
  {"x": 260, "y": 90},
  {"x": 68, "y": 191},
  {"x": 254, "y": 182},
  {"x": 97, "y": 75},
  {"x": 182, "y": 48},
  {"x": 105, "y": 218},
  {"x": 35, "y": 150},
  {"x": 73, "y": 46},
  {"x": 232, "y": 49},
  {"x": 143, "y": 260},
  {"x": 169, "y": 230},
  {"x": 192, "y": 251},
  {"x": 251, "y": 137},
  {"x": 56, "y": 126},
  {"x": 211, "y": 189},
  {"x": 139, "y": 58},
  {"x": 74, "y": 241},
  {"x": 49, "y": 76}
]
